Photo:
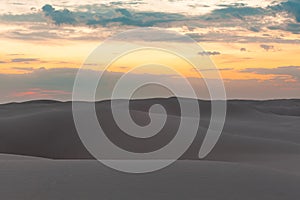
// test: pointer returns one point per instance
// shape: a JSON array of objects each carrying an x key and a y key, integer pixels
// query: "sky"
[{"x": 254, "y": 44}]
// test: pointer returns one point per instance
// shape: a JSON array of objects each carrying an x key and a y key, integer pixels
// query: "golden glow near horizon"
[
  {"x": 157, "y": 61},
  {"x": 72, "y": 54}
]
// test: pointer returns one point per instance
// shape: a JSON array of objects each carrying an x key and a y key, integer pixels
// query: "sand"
[{"x": 257, "y": 156}]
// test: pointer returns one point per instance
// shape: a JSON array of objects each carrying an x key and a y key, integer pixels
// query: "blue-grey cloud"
[
  {"x": 241, "y": 11},
  {"x": 236, "y": 11},
  {"x": 24, "y": 68},
  {"x": 104, "y": 16},
  {"x": 267, "y": 47},
  {"x": 209, "y": 53},
  {"x": 30, "y": 17},
  {"x": 116, "y": 18},
  {"x": 122, "y": 3},
  {"x": 218, "y": 36},
  {"x": 24, "y": 60},
  {"x": 211, "y": 69},
  {"x": 290, "y": 6},
  {"x": 33, "y": 35},
  {"x": 59, "y": 16},
  {"x": 254, "y": 29},
  {"x": 293, "y": 28},
  {"x": 290, "y": 27}
]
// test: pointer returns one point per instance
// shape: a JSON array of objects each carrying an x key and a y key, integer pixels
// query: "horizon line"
[{"x": 141, "y": 99}]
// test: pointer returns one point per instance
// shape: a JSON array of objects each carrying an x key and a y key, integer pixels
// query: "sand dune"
[
  {"x": 46, "y": 128},
  {"x": 79, "y": 180},
  {"x": 257, "y": 156}
]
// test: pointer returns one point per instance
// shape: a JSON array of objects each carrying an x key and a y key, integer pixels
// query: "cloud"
[
  {"x": 32, "y": 35},
  {"x": 58, "y": 83},
  {"x": 23, "y": 68},
  {"x": 290, "y": 27},
  {"x": 122, "y": 3},
  {"x": 257, "y": 89},
  {"x": 120, "y": 16},
  {"x": 293, "y": 28},
  {"x": 257, "y": 18},
  {"x": 24, "y": 60},
  {"x": 237, "y": 11},
  {"x": 104, "y": 16},
  {"x": 38, "y": 93},
  {"x": 254, "y": 29},
  {"x": 45, "y": 80},
  {"x": 59, "y": 16},
  {"x": 209, "y": 53},
  {"x": 208, "y": 69},
  {"x": 267, "y": 47},
  {"x": 230, "y": 36},
  {"x": 290, "y": 6},
  {"x": 286, "y": 72},
  {"x": 15, "y": 54},
  {"x": 31, "y": 17}
]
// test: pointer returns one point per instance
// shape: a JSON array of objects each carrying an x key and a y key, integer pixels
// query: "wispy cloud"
[
  {"x": 39, "y": 93},
  {"x": 30, "y": 69},
  {"x": 287, "y": 72},
  {"x": 267, "y": 47},
  {"x": 209, "y": 53},
  {"x": 24, "y": 60}
]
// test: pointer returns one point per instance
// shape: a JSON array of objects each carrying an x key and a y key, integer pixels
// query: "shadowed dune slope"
[{"x": 263, "y": 133}]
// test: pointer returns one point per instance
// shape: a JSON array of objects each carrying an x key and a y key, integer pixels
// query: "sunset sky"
[{"x": 254, "y": 44}]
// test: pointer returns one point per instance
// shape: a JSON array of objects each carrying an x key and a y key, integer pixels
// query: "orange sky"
[
  {"x": 73, "y": 54},
  {"x": 247, "y": 40}
]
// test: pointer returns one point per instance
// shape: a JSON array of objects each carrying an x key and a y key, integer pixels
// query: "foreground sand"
[
  {"x": 48, "y": 180},
  {"x": 257, "y": 157}
]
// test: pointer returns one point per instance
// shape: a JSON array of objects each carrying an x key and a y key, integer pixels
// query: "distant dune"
[{"x": 257, "y": 156}]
